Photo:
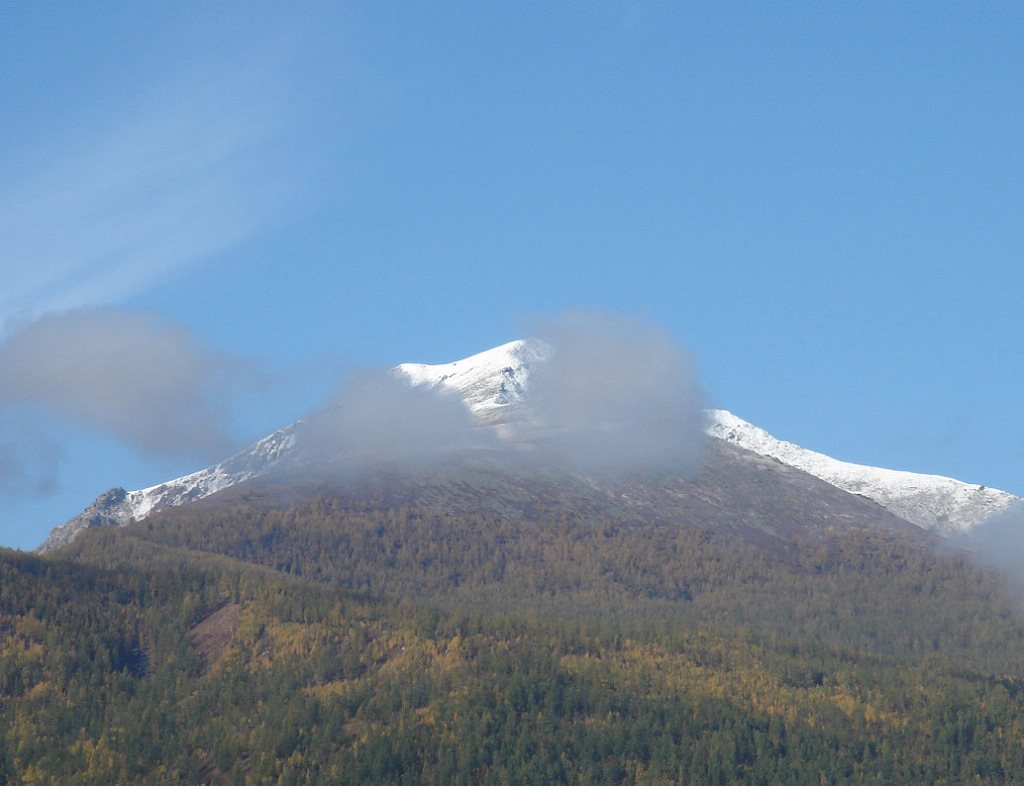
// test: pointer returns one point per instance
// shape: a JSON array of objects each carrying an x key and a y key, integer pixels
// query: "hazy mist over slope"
[{"x": 998, "y": 544}]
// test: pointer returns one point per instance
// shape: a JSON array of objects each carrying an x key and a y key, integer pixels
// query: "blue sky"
[{"x": 823, "y": 202}]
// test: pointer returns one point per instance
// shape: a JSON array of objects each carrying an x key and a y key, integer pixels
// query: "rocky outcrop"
[{"x": 111, "y": 508}]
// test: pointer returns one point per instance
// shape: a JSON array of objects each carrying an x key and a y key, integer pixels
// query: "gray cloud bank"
[
  {"x": 126, "y": 374},
  {"x": 615, "y": 393}
]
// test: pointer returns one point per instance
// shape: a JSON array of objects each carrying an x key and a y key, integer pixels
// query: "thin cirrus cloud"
[{"x": 164, "y": 184}]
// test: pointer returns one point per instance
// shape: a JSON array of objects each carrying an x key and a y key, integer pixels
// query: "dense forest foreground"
[{"x": 323, "y": 641}]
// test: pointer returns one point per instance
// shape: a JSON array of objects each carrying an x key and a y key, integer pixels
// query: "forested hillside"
[
  {"x": 885, "y": 591},
  {"x": 318, "y": 642}
]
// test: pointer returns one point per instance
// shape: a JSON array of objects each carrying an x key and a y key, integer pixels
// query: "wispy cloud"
[{"x": 159, "y": 186}]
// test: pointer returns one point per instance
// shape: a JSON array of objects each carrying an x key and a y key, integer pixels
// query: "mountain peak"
[
  {"x": 488, "y": 381},
  {"x": 494, "y": 384}
]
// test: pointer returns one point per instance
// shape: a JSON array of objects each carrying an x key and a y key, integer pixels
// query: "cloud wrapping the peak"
[
  {"x": 609, "y": 393},
  {"x": 380, "y": 417},
  {"x": 616, "y": 393},
  {"x": 126, "y": 374}
]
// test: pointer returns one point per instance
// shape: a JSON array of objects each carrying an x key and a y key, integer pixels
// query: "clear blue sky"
[{"x": 823, "y": 201}]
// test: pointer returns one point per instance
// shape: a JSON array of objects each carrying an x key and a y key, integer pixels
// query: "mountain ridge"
[
  {"x": 494, "y": 385},
  {"x": 934, "y": 502}
]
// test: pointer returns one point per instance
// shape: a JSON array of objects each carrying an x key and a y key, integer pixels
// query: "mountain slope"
[
  {"x": 118, "y": 507},
  {"x": 937, "y": 503},
  {"x": 495, "y": 386},
  {"x": 127, "y": 661},
  {"x": 491, "y": 381}
]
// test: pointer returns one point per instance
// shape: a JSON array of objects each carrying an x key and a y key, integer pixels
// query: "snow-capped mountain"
[
  {"x": 495, "y": 385},
  {"x": 493, "y": 380}
]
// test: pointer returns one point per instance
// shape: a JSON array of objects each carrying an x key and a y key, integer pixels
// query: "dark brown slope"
[
  {"x": 491, "y": 534},
  {"x": 734, "y": 492},
  {"x": 743, "y": 538}
]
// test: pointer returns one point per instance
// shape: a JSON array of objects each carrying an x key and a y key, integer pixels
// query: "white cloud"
[{"x": 380, "y": 417}]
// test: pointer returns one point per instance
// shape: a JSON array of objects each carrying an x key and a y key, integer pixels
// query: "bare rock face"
[{"x": 111, "y": 508}]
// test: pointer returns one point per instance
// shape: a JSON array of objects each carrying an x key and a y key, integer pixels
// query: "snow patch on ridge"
[{"x": 119, "y": 508}]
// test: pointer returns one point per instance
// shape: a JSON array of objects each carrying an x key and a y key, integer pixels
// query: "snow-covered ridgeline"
[
  {"x": 118, "y": 507},
  {"x": 253, "y": 461},
  {"x": 498, "y": 378},
  {"x": 934, "y": 502}
]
